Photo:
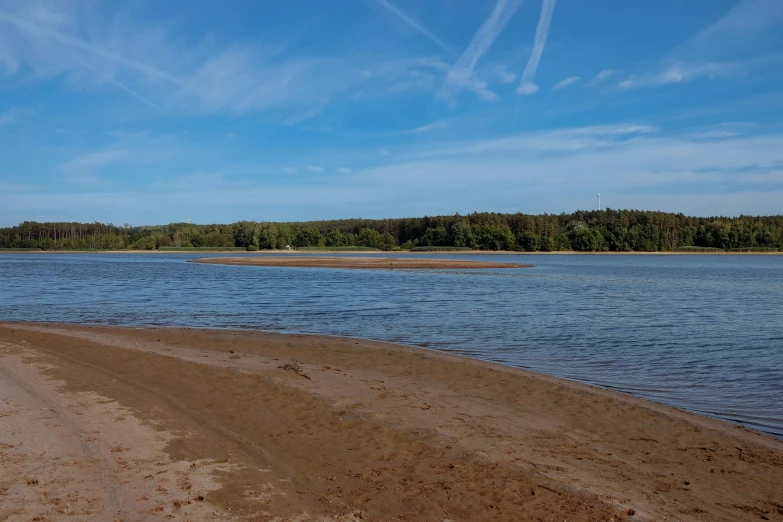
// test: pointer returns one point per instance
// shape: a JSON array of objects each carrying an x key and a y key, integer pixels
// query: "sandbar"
[
  {"x": 387, "y": 263},
  {"x": 109, "y": 423}
]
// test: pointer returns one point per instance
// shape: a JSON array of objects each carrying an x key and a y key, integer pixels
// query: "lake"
[{"x": 704, "y": 333}]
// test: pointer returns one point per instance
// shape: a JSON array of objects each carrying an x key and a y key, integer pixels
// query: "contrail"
[
  {"x": 103, "y": 53},
  {"x": 462, "y": 72},
  {"x": 416, "y": 25},
  {"x": 118, "y": 84},
  {"x": 527, "y": 86}
]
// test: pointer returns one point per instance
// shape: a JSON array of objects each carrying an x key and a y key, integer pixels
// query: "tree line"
[{"x": 605, "y": 230}]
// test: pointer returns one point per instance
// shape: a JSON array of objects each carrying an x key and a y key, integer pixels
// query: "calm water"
[{"x": 703, "y": 333}]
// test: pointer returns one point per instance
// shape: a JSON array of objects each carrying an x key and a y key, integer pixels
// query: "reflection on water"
[{"x": 700, "y": 332}]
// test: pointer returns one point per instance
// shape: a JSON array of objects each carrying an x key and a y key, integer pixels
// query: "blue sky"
[{"x": 148, "y": 112}]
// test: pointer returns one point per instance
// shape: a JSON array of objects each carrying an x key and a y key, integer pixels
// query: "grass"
[
  {"x": 440, "y": 249},
  {"x": 699, "y": 249},
  {"x": 754, "y": 249},
  {"x": 713, "y": 249}
]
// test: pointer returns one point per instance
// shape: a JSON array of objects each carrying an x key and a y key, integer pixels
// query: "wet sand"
[
  {"x": 103, "y": 423},
  {"x": 389, "y": 263}
]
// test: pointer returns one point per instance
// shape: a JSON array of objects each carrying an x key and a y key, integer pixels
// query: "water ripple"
[{"x": 701, "y": 333}]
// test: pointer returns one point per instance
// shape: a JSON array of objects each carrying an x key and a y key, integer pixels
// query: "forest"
[{"x": 594, "y": 231}]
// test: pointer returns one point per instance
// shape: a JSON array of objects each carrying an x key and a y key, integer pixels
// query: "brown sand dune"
[
  {"x": 357, "y": 262},
  {"x": 138, "y": 424}
]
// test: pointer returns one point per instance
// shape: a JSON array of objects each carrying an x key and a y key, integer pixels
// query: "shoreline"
[
  {"x": 468, "y": 423},
  {"x": 392, "y": 253}
]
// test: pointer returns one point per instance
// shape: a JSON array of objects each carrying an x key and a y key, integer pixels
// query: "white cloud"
[
  {"x": 384, "y": 152},
  {"x": 542, "y": 33},
  {"x": 315, "y": 168},
  {"x": 680, "y": 72},
  {"x": 460, "y": 76},
  {"x": 504, "y": 74},
  {"x": 290, "y": 170},
  {"x": 601, "y": 76},
  {"x": 344, "y": 170},
  {"x": 562, "y": 84},
  {"x": 527, "y": 88}
]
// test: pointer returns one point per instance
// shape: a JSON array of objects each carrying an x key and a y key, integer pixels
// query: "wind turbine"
[{"x": 599, "y": 200}]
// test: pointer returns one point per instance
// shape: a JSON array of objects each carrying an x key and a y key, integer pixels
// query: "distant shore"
[
  {"x": 390, "y": 253},
  {"x": 208, "y": 424}
]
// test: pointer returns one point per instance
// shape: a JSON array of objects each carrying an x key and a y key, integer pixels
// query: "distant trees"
[{"x": 609, "y": 230}]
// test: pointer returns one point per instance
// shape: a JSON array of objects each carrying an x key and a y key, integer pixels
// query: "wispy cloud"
[
  {"x": 460, "y": 76},
  {"x": 117, "y": 83},
  {"x": 562, "y": 84},
  {"x": 150, "y": 64},
  {"x": 526, "y": 86},
  {"x": 601, "y": 76},
  {"x": 415, "y": 25},
  {"x": 730, "y": 46},
  {"x": 85, "y": 168},
  {"x": 308, "y": 114},
  {"x": 428, "y": 127},
  {"x": 713, "y": 134},
  {"x": 289, "y": 170},
  {"x": 682, "y": 72},
  {"x": 729, "y": 129},
  {"x": 636, "y": 160},
  {"x": 344, "y": 170},
  {"x": 93, "y": 160},
  {"x": 11, "y": 116},
  {"x": 384, "y": 152},
  {"x": 544, "y": 142},
  {"x": 744, "y": 24},
  {"x": 315, "y": 168},
  {"x": 435, "y": 125},
  {"x": 504, "y": 75},
  {"x": 645, "y": 166}
]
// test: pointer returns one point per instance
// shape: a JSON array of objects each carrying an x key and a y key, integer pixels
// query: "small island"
[{"x": 387, "y": 263}]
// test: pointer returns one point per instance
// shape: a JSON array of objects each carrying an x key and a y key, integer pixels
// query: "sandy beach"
[
  {"x": 385, "y": 263},
  {"x": 105, "y": 423}
]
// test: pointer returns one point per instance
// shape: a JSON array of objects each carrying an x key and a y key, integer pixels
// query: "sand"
[
  {"x": 389, "y": 263},
  {"x": 103, "y": 423}
]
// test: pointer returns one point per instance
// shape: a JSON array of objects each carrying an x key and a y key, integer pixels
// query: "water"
[{"x": 704, "y": 333}]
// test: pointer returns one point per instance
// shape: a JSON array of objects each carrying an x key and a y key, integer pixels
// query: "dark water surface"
[{"x": 704, "y": 333}]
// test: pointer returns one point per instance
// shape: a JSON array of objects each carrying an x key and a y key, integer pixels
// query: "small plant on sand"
[{"x": 296, "y": 368}]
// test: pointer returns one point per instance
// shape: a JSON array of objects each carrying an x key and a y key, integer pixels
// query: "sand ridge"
[
  {"x": 355, "y": 430},
  {"x": 387, "y": 263}
]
